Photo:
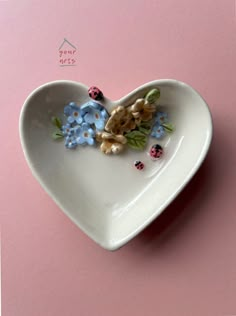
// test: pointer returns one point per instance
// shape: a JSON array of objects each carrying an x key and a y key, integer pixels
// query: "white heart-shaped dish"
[{"x": 104, "y": 195}]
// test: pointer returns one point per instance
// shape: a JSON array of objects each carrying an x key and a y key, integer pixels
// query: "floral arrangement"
[{"x": 125, "y": 126}]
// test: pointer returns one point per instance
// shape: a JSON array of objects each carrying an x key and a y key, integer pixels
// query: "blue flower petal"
[
  {"x": 104, "y": 114},
  {"x": 80, "y": 140},
  {"x": 90, "y": 141},
  {"x": 79, "y": 120},
  {"x": 85, "y": 126},
  {"x": 67, "y": 110},
  {"x": 158, "y": 131},
  {"x": 70, "y": 119},
  {"x": 91, "y": 132},
  {"x": 161, "y": 117},
  {"x": 89, "y": 118},
  {"x": 72, "y": 104},
  {"x": 100, "y": 124}
]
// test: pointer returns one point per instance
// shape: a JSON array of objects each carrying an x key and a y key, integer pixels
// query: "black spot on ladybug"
[
  {"x": 156, "y": 147},
  {"x": 139, "y": 164}
]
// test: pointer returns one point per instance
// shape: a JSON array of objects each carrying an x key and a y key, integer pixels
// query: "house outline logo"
[
  {"x": 66, "y": 41},
  {"x": 67, "y": 56}
]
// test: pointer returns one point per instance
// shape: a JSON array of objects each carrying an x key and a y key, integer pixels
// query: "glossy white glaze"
[{"x": 105, "y": 195}]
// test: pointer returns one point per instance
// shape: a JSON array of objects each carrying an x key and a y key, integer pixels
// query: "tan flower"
[
  {"x": 111, "y": 143},
  {"x": 120, "y": 121},
  {"x": 142, "y": 110}
]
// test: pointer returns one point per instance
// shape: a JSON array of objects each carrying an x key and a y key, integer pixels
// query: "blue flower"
[
  {"x": 161, "y": 117},
  {"x": 67, "y": 108},
  {"x": 71, "y": 141},
  {"x": 71, "y": 135},
  {"x": 85, "y": 134},
  {"x": 73, "y": 113},
  {"x": 158, "y": 131},
  {"x": 96, "y": 117},
  {"x": 67, "y": 130},
  {"x": 86, "y": 107}
]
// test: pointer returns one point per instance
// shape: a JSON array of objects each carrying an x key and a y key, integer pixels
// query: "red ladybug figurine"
[
  {"x": 95, "y": 93},
  {"x": 156, "y": 151},
  {"x": 139, "y": 165}
]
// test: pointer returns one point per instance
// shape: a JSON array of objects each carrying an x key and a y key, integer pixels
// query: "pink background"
[{"x": 185, "y": 262}]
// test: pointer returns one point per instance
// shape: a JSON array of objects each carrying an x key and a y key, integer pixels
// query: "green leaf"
[
  {"x": 168, "y": 127},
  {"x": 136, "y": 140},
  {"x": 57, "y": 135},
  {"x": 144, "y": 131},
  {"x": 145, "y": 127},
  {"x": 153, "y": 95},
  {"x": 57, "y": 122}
]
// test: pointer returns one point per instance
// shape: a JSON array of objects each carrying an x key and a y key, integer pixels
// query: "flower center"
[
  {"x": 86, "y": 134},
  {"x": 96, "y": 116},
  {"x": 76, "y": 114}
]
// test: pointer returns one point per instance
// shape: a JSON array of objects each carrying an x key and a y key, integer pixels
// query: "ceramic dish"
[{"x": 104, "y": 195}]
